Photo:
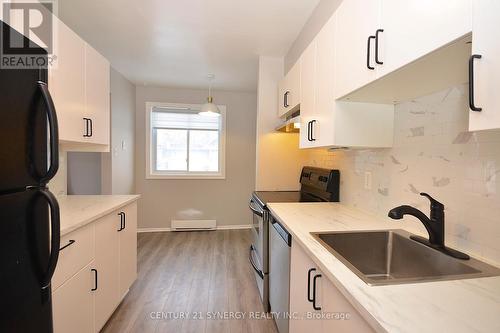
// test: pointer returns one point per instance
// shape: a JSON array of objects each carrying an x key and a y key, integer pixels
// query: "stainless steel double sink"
[{"x": 391, "y": 257}]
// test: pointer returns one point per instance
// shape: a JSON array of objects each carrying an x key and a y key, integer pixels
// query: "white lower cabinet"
[
  {"x": 73, "y": 303},
  {"x": 87, "y": 291},
  {"x": 107, "y": 265},
  {"x": 317, "y": 304},
  {"x": 128, "y": 249}
]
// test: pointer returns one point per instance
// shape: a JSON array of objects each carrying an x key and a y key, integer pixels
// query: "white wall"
[
  {"x": 433, "y": 152},
  {"x": 84, "y": 173},
  {"x": 225, "y": 200},
  {"x": 321, "y": 14},
  {"x": 118, "y": 174},
  {"x": 279, "y": 159}
]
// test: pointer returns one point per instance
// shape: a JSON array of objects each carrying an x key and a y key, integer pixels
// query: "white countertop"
[
  {"x": 471, "y": 305},
  {"x": 79, "y": 210}
]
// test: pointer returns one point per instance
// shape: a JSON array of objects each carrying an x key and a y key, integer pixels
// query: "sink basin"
[{"x": 391, "y": 257}]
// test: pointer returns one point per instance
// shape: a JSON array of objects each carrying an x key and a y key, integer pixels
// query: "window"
[{"x": 183, "y": 144}]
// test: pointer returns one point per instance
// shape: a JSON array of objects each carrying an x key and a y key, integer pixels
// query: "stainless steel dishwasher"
[{"x": 280, "y": 241}]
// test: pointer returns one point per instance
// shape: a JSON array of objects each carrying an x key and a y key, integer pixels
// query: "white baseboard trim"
[{"x": 220, "y": 227}]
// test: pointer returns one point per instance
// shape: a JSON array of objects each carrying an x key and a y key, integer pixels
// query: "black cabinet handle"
[
  {"x": 285, "y": 99},
  {"x": 95, "y": 279},
  {"x": 55, "y": 235},
  {"x": 312, "y": 130},
  {"x": 472, "y": 106},
  {"x": 91, "y": 127},
  {"x": 309, "y": 298},
  {"x": 315, "y": 307},
  {"x": 377, "y": 60},
  {"x": 122, "y": 221},
  {"x": 87, "y": 129},
  {"x": 308, "y": 131},
  {"x": 368, "y": 51},
  {"x": 258, "y": 271},
  {"x": 71, "y": 242},
  {"x": 53, "y": 132}
]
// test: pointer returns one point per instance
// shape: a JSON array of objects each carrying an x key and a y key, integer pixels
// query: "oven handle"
[
  {"x": 258, "y": 271},
  {"x": 254, "y": 209}
]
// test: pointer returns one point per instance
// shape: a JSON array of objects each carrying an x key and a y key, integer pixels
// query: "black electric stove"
[{"x": 316, "y": 185}]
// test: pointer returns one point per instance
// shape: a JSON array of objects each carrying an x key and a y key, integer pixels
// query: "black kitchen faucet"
[{"x": 434, "y": 226}]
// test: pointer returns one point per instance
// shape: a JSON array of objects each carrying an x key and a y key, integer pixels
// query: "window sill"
[{"x": 186, "y": 176}]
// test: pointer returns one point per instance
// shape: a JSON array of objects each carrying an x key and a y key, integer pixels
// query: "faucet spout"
[
  {"x": 435, "y": 228},
  {"x": 433, "y": 224}
]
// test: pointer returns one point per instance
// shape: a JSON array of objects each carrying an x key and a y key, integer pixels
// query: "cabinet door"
[
  {"x": 356, "y": 21},
  {"x": 67, "y": 82},
  {"x": 485, "y": 43},
  {"x": 107, "y": 295},
  {"x": 344, "y": 317},
  {"x": 73, "y": 305},
  {"x": 128, "y": 249},
  {"x": 293, "y": 84},
  {"x": 324, "y": 109},
  {"x": 415, "y": 28},
  {"x": 307, "y": 96},
  {"x": 302, "y": 272},
  {"x": 97, "y": 98}
]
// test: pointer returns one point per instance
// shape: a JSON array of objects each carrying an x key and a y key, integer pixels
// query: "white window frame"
[{"x": 152, "y": 174}]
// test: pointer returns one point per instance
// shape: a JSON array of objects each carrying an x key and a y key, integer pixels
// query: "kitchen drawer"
[
  {"x": 75, "y": 256},
  {"x": 73, "y": 305}
]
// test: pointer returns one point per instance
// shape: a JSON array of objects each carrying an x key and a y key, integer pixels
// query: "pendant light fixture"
[{"x": 209, "y": 108}]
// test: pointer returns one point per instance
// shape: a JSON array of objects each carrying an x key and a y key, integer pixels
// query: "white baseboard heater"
[{"x": 191, "y": 225}]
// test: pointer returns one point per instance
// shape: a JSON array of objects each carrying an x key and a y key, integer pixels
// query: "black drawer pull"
[
  {"x": 368, "y": 51},
  {"x": 285, "y": 99},
  {"x": 95, "y": 279},
  {"x": 71, "y": 242},
  {"x": 376, "y": 47},
  {"x": 315, "y": 307},
  {"x": 309, "y": 298},
  {"x": 472, "y": 106}
]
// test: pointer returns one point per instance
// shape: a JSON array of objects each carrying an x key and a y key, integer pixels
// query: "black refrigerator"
[{"x": 29, "y": 213}]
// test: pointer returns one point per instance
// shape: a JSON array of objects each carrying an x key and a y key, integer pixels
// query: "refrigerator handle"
[
  {"x": 55, "y": 235},
  {"x": 54, "y": 132}
]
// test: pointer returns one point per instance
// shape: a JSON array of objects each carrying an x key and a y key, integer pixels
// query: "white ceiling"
[{"x": 178, "y": 42}]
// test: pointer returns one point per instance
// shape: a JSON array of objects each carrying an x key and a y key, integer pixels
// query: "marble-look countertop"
[
  {"x": 79, "y": 210},
  {"x": 471, "y": 305}
]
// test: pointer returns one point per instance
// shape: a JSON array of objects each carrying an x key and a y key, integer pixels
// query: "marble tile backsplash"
[{"x": 433, "y": 152}]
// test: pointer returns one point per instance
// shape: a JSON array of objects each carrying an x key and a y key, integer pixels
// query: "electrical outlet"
[{"x": 368, "y": 180}]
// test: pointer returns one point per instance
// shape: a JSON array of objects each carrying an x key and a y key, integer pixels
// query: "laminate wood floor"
[{"x": 201, "y": 274}]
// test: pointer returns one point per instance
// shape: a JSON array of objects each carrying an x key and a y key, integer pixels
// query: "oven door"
[
  {"x": 259, "y": 253},
  {"x": 259, "y": 234}
]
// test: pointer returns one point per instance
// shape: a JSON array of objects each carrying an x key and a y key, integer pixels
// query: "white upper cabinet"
[
  {"x": 67, "y": 82},
  {"x": 357, "y": 20},
  {"x": 79, "y": 82},
  {"x": 326, "y": 122},
  {"x": 308, "y": 96},
  {"x": 414, "y": 28},
  {"x": 289, "y": 91},
  {"x": 485, "y": 78},
  {"x": 97, "y": 96}
]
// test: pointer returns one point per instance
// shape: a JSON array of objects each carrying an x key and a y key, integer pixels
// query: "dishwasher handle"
[
  {"x": 284, "y": 234},
  {"x": 257, "y": 270}
]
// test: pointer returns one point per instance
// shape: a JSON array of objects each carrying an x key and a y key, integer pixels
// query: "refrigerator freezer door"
[
  {"x": 25, "y": 306},
  {"x": 23, "y": 127}
]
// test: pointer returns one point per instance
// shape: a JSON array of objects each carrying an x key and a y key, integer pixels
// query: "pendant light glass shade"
[{"x": 209, "y": 108}]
